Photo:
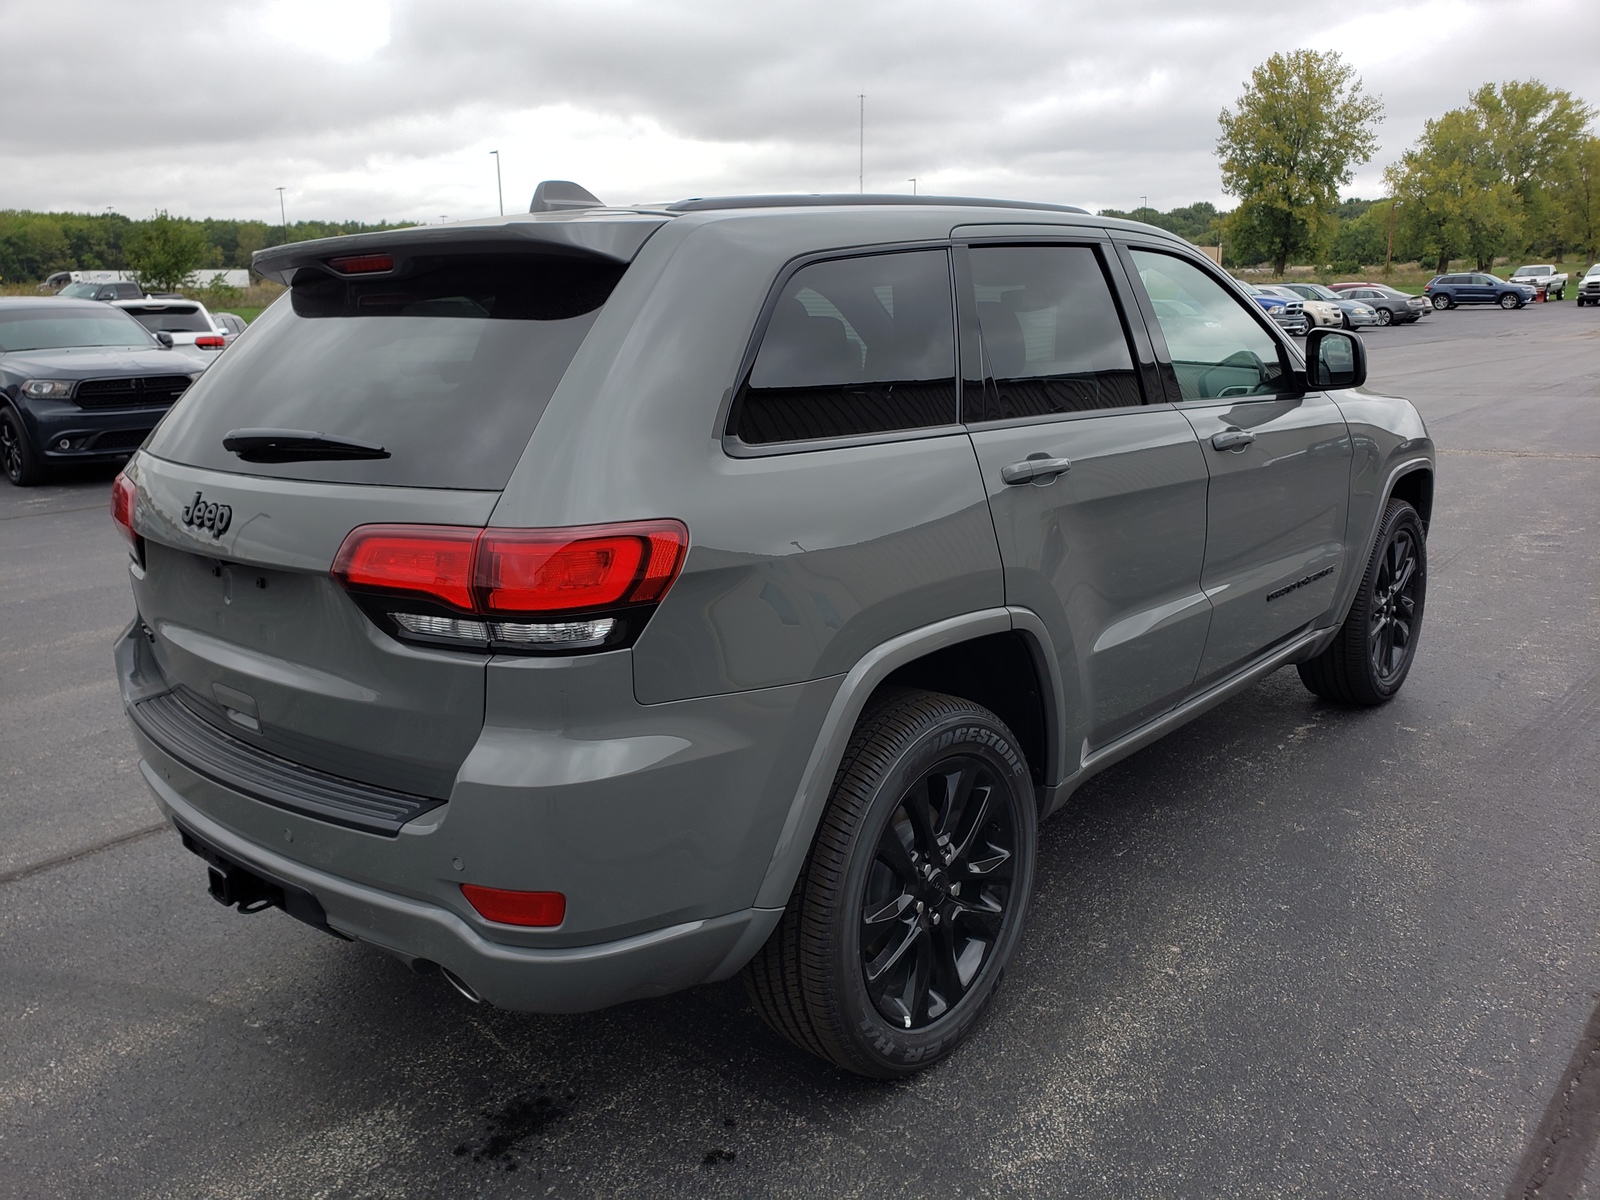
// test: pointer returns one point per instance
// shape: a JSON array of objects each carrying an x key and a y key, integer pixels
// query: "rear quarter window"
[
  {"x": 854, "y": 346},
  {"x": 447, "y": 367}
]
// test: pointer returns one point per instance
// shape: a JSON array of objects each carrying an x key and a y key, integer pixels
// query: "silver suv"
[{"x": 599, "y": 602}]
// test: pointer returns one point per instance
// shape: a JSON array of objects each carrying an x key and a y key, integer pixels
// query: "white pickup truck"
[{"x": 1544, "y": 276}]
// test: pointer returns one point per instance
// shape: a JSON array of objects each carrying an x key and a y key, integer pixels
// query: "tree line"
[
  {"x": 1514, "y": 171},
  {"x": 35, "y": 244}
]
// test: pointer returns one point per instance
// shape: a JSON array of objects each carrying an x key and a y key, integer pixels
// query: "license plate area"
[{"x": 234, "y": 885}]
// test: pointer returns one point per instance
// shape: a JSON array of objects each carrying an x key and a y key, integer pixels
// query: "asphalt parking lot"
[{"x": 1290, "y": 950}]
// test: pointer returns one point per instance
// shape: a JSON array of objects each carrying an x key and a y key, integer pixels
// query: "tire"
[
  {"x": 17, "y": 455},
  {"x": 1366, "y": 663},
  {"x": 1508, "y": 301},
  {"x": 1442, "y": 302},
  {"x": 875, "y": 893},
  {"x": 1385, "y": 317},
  {"x": 1561, "y": 293}
]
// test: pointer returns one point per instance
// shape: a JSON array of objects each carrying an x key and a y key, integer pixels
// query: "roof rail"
[
  {"x": 818, "y": 200},
  {"x": 554, "y": 195}
]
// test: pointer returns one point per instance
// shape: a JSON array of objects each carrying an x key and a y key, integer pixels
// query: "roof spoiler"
[{"x": 555, "y": 195}]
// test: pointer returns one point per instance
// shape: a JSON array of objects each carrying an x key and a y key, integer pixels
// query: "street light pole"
[
  {"x": 913, "y": 185},
  {"x": 1388, "y": 257},
  {"x": 861, "y": 161},
  {"x": 283, "y": 215},
  {"x": 498, "y": 190}
]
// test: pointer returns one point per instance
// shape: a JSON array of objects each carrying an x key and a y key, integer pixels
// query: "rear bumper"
[
  {"x": 657, "y": 822},
  {"x": 529, "y": 979}
]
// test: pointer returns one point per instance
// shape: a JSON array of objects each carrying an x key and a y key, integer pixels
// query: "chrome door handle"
[
  {"x": 1232, "y": 439},
  {"x": 1036, "y": 468}
]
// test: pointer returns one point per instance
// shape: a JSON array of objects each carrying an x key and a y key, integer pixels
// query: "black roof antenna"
[{"x": 554, "y": 195}]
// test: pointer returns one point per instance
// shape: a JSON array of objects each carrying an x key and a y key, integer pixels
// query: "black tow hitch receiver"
[
  {"x": 238, "y": 887},
  {"x": 231, "y": 885}
]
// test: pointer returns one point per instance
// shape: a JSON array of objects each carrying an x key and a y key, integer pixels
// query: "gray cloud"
[{"x": 205, "y": 107}]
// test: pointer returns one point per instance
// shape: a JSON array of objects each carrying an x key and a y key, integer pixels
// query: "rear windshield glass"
[
  {"x": 171, "y": 320},
  {"x": 37, "y": 329},
  {"x": 448, "y": 368}
]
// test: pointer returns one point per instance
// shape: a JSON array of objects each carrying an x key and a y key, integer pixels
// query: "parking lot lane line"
[
  {"x": 1562, "y": 1145},
  {"x": 61, "y": 860}
]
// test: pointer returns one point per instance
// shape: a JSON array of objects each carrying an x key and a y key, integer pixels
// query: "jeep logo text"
[{"x": 201, "y": 514}]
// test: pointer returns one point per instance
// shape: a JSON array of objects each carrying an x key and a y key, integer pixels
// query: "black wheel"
[
  {"x": 1372, "y": 654},
  {"x": 1561, "y": 293},
  {"x": 1509, "y": 301},
  {"x": 21, "y": 461},
  {"x": 1441, "y": 302},
  {"x": 1385, "y": 317},
  {"x": 1344, "y": 320},
  {"x": 902, "y": 922}
]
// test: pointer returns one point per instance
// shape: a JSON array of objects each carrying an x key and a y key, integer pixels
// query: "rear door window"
[
  {"x": 447, "y": 366},
  {"x": 854, "y": 346},
  {"x": 1053, "y": 337}
]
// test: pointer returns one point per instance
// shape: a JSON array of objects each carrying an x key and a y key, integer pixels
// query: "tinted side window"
[
  {"x": 855, "y": 346},
  {"x": 1052, "y": 336},
  {"x": 1218, "y": 349}
]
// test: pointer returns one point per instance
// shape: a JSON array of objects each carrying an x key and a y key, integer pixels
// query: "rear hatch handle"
[{"x": 295, "y": 445}]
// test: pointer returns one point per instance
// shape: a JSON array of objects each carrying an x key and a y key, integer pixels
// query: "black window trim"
[
  {"x": 1140, "y": 349},
  {"x": 727, "y": 414},
  {"x": 1289, "y": 357}
]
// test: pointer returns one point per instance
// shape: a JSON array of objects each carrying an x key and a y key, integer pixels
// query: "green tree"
[
  {"x": 165, "y": 251},
  {"x": 1578, "y": 197},
  {"x": 1454, "y": 198},
  {"x": 1532, "y": 135},
  {"x": 1295, "y": 136}
]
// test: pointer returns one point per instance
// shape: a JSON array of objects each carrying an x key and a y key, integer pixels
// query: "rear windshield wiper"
[{"x": 296, "y": 445}]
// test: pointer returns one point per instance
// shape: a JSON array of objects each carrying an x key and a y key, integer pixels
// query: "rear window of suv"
[
  {"x": 177, "y": 319},
  {"x": 447, "y": 365}
]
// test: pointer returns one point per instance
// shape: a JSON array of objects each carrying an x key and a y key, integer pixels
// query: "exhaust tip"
[{"x": 460, "y": 985}]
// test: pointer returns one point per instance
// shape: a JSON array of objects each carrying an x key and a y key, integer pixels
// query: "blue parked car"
[
  {"x": 1289, "y": 314},
  {"x": 1447, "y": 291}
]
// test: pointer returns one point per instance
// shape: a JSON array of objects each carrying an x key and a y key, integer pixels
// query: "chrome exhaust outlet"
[{"x": 460, "y": 985}]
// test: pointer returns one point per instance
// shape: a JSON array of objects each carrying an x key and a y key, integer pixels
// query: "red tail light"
[
  {"x": 362, "y": 264},
  {"x": 516, "y": 574},
  {"x": 122, "y": 494},
  {"x": 516, "y": 908},
  {"x": 210, "y": 341}
]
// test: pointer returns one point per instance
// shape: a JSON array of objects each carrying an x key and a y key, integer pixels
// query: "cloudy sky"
[{"x": 370, "y": 109}]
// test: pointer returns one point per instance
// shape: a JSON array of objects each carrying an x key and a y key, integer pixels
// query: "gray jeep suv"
[{"x": 599, "y": 602}]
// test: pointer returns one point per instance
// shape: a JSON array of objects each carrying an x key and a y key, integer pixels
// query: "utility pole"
[
  {"x": 283, "y": 215},
  {"x": 913, "y": 185},
  {"x": 861, "y": 162},
  {"x": 498, "y": 190},
  {"x": 1144, "y": 203}
]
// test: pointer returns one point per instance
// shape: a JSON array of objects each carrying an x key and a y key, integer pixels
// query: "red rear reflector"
[
  {"x": 362, "y": 264},
  {"x": 506, "y": 572},
  {"x": 211, "y": 341},
  {"x": 122, "y": 494},
  {"x": 516, "y": 908},
  {"x": 429, "y": 560}
]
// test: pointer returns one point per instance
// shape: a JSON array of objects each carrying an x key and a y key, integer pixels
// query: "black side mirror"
[
  {"x": 1335, "y": 359},
  {"x": 164, "y": 338}
]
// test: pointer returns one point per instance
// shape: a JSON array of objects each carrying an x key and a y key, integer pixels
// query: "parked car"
[
  {"x": 1349, "y": 312},
  {"x": 1543, "y": 277},
  {"x": 1392, "y": 306},
  {"x": 100, "y": 291},
  {"x": 80, "y": 382},
  {"x": 1447, "y": 291},
  {"x": 1289, "y": 314},
  {"x": 586, "y": 606},
  {"x": 1319, "y": 315},
  {"x": 1589, "y": 287},
  {"x": 186, "y": 320},
  {"x": 231, "y": 324}
]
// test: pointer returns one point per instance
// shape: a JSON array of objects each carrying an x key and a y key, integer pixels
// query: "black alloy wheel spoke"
[
  {"x": 937, "y": 892},
  {"x": 1393, "y": 606}
]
